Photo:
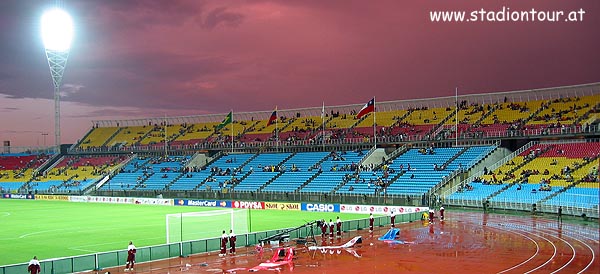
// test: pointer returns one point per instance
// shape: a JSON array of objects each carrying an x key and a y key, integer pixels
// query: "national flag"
[
  {"x": 273, "y": 117},
  {"x": 366, "y": 109},
  {"x": 228, "y": 119}
]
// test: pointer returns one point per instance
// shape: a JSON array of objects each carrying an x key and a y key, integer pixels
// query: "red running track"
[{"x": 464, "y": 243}]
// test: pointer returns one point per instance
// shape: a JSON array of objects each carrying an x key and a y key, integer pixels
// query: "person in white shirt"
[
  {"x": 131, "y": 250},
  {"x": 224, "y": 240},
  {"x": 34, "y": 266}
]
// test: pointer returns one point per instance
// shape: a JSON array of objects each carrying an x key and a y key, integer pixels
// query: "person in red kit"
[
  {"x": 323, "y": 228},
  {"x": 232, "y": 239},
  {"x": 431, "y": 215},
  {"x": 131, "y": 250},
  {"x": 34, "y": 266},
  {"x": 331, "y": 227},
  {"x": 442, "y": 213},
  {"x": 338, "y": 225},
  {"x": 224, "y": 239},
  {"x": 371, "y": 222}
]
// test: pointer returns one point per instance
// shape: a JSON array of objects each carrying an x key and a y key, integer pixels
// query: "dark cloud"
[
  {"x": 145, "y": 58},
  {"x": 138, "y": 14},
  {"x": 220, "y": 16},
  {"x": 6, "y": 109},
  {"x": 110, "y": 112}
]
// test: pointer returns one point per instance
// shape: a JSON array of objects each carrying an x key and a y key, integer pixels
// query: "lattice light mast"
[{"x": 57, "y": 34}]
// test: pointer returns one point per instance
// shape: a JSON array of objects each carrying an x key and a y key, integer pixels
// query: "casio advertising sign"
[{"x": 320, "y": 207}]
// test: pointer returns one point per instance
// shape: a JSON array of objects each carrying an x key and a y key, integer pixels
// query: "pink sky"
[{"x": 144, "y": 58}]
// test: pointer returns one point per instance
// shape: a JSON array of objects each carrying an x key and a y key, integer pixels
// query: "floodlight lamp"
[{"x": 57, "y": 30}]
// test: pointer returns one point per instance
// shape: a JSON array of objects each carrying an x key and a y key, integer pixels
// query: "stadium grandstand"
[{"x": 520, "y": 150}]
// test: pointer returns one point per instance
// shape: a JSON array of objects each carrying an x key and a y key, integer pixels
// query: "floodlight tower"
[{"x": 57, "y": 34}]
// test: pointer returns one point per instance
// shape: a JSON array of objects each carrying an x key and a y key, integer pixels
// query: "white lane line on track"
[
  {"x": 537, "y": 233},
  {"x": 591, "y": 249},
  {"x": 513, "y": 228},
  {"x": 569, "y": 231},
  {"x": 572, "y": 256},
  {"x": 503, "y": 227},
  {"x": 537, "y": 250},
  {"x": 592, "y": 237}
]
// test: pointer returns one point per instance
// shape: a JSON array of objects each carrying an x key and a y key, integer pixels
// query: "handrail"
[{"x": 492, "y": 167}]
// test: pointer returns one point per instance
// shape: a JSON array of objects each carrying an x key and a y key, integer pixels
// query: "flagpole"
[
  {"x": 323, "y": 126},
  {"x": 374, "y": 123},
  {"x": 166, "y": 145},
  {"x": 456, "y": 115},
  {"x": 231, "y": 130},
  {"x": 276, "y": 130}
]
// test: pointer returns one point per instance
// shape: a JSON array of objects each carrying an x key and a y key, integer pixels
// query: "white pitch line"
[
  {"x": 84, "y": 250},
  {"x": 4, "y": 214},
  {"x": 38, "y": 232}
]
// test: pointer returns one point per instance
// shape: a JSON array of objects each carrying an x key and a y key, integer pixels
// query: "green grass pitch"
[{"x": 53, "y": 229}]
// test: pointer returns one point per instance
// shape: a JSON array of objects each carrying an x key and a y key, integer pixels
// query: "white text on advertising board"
[
  {"x": 20, "y": 196},
  {"x": 319, "y": 207},
  {"x": 202, "y": 203},
  {"x": 249, "y": 205}
]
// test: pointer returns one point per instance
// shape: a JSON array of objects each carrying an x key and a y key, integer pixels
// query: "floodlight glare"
[
  {"x": 57, "y": 34},
  {"x": 57, "y": 30}
]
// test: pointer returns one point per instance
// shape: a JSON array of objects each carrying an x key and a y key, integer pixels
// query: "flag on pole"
[
  {"x": 366, "y": 109},
  {"x": 228, "y": 119},
  {"x": 273, "y": 117}
]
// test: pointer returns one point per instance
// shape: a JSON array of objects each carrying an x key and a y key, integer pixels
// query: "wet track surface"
[{"x": 465, "y": 242}]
